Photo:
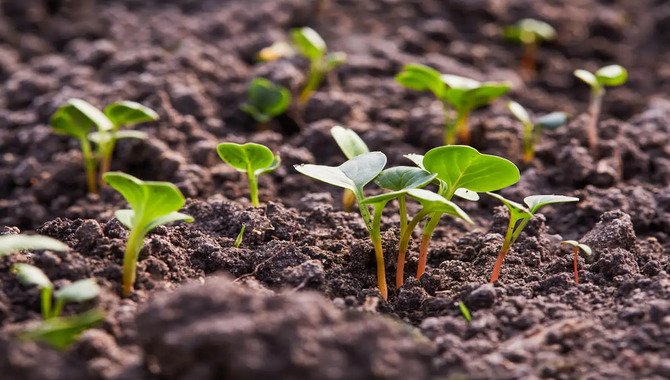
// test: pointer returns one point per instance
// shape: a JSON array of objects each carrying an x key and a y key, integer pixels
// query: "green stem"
[
  {"x": 58, "y": 309},
  {"x": 425, "y": 243},
  {"x": 594, "y": 111},
  {"x": 133, "y": 247},
  {"x": 314, "y": 79},
  {"x": 402, "y": 204},
  {"x": 458, "y": 127},
  {"x": 403, "y": 244},
  {"x": 253, "y": 188},
  {"x": 375, "y": 236},
  {"x": 529, "y": 139},
  {"x": 45, "y": 295},
  {"x": 106, "y": 152},
  {"x": 90, "y": 165}
]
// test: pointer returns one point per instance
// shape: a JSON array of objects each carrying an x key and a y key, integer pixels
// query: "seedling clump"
[
  {"x": 152, "y": 204},
  {"x": 253, "y": 159},
  {"x": 576, "y": 247},
  {"x": 266, "y": 100},
  {"x": 351, "y": 145},
  {"x": 460, "y": 93},
  {"x": 530, "y": 33},
  {"x": 533, "y": 131}
]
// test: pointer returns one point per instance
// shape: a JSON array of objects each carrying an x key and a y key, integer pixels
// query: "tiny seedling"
[
  {"x": 519, "y": 216},
  {"x": 253, "y": 159},
  {"x": 266, "y": 100},
  {"x": 351, "y": 145},
  {"x": 533, "y": 131},
  {"x": 310, "y": 44},
  {"x": 279, "y": 49},
  {"x": 463, "y": 94},
  {"x": 608, "y": 76},
  {"x": 465, "y": 311},
  {"x": 530, "y": 33},
  {"x": 20, "y": 242},
  {"x": 152, "y": 204},
  {"x": 576, "y": 247},
  {"x": 240, "y": 236},
  {"x": 61, "y": 332}
]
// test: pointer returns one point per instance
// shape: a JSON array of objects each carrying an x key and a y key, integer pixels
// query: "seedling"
[
  {"x": 12, "y": 243},
  {"x": 351, "y": 145},
  {"x": 253, "y": 159},
  {"x": 279, "y": 49},
  {"x": 240, "y": 236},
  {"x": 266, "y": 100},
  {"x": 530, "y": 33},
  {"x": 152, "y": 204},
  {"x": 519, "y": 216},
  {"x": 353, "y": 175},
  {"x": 533, "y": 131},
  {"x": 576, "y": 247},
  {"x": 465, "y": 311},
  {"x": 61, "y": 332},
  {"x": 310, "y": 44},
  {"x": 608, "y": 76},
  {"x": 463, "y": 94}
]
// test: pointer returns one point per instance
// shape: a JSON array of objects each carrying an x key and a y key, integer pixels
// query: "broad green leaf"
[
  {"x": 78, "y": 291},
  {"x": 354, "y": 174},
  {"x": 126, "y": 113},
  {"x": 587, "y": 77},
  {"x": 309, "y": 42},
  {"x": 20, "y": 242},
  {"x": 247, "y": 157},
  {"x": 535, "y": 202},
  {"x": 459, "y": 82},
  {"x": 61, "y": 332},
  {"x": 421, "y": 78},
  {"x": 403, "y": 177},
  {"x": 77, "y": 118},
  {"x": 463, "y": 166},
  {"x": 274, "y": 165},
  {"x": 98, "y": 137},
  {"x": 552, "y": 120},
  {"x": 516, "y": 210},
  {"x": 612, "y": 75},
  {"x": 125, "y": 217},
  {"x": 266, "y": 100},
  {"x": 433, "y": 202},
  {"x": 31, "y": 275},
  {"x": 519, "y": 112},
  {"x": 349, "y": 142},
  {"x": 585, "y": 248},
  {"x": 169, "y": 218}
]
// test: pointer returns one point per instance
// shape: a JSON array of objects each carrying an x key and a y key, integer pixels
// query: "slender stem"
[
  {"x": 529, "y": 140},
  {"x": 253, "y": 188},
  {"x": 458, "y": 127},
  {"x": 594, "y": 111},
  {"x": 90, "y": 165},
  {"x": 509, "y": 240},
  {"x": 106, "y": 152},
  {"x": 314, "y": 79},
  {"x": 425, "y": 243},
  {"x": 45, "y": 295},
  {"x": 402, "y": 205},
  {"x": 575, "y": 254},
  {"x": 348, "y": 199},
  {"x": 375, "y": 236},
  {"x": 403, "y": 244},
  {"x": 528, "y": 62},
  {"x": 58, "y": 309},
  {"x": 133, "y": 247}
]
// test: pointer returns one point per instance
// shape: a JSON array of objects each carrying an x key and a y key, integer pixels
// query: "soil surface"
[{"x": 298, "y": 299}]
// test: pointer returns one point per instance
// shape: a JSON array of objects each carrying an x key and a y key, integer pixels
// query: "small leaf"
[
  {"x": 535, "y": 202},
  {"x": 421, "y": 78},
  {"x": 61, "y": 332},
  {"x": 383, "y": 198},
  {"x": 275, "y": 51},
  {"x": 240, "y": 236},
  {"x": 309, "y": 42},
  {"x": 467, "y": 94},
  {"x": 266, "y": 100},
  {"x": 354, "y": 174},
  {"x": 587, "y": 77},
  {"x": 519, "y": 112},
  {"x": 125, "y": 113},
  {"x": 530, "y": 31},
  {"x": 247, "y": 157},
  {"x": 552, "y": 120},
  {"x": 612, "y": 75},
  {"x": 31, "y": 275},
  {"x": 77, "y": 118},
  {"x": 169, "y": 218},
  {"x": 98, "y": 137},
  {"x": 466, "y": 194},
  {"x": 349, "y": 142},
  {"x": 274, "y": 165},
  {"x": 403, "y": 177},
  {"x": 459, "y": 82},
  {"x": 516, "y": 210},
  {"x": 417, "y": 159},
  {"x": 20, "y": 242},
  {"x": 78, "y": 291},
  {"x": 433, "y": 202},
  {"x": 585, "y": 248}
]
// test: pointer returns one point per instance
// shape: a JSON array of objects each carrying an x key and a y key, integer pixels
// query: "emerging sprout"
[
  {"x": 310, "y": 44},
  {"x": 608, "y": 76},
  {"x": 279, "y": 49},
  {"x": 576, "y": 247},
  {"x": 20, "y": 242},
  {"x": 61, "y": 332},
  {"x": 240, "y": 236},
  {"x": 266, "y": 100},
  {"x": 530, "y": 33},
  {"x": 153, "y": 204},
  {"x": 351, "y": 145},
  {"x": 463, "y": 94},
  {"x": 465, "y": 311},
  {"x": 253, "y": 159},
  {"x": 533, "y": 131},
  {"x": 519, "y": 216}
]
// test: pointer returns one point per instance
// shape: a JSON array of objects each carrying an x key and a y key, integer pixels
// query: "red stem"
[
  {"x": 423, "y": 256},
  {"x": 575, "y": 253},
  {"x": 498, "y": 265}
]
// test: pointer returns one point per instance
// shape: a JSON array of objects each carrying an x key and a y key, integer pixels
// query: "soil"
[{"x": 298, "y": 299}]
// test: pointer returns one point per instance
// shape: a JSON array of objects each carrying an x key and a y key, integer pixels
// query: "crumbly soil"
[{"x": 298, "y": 299}]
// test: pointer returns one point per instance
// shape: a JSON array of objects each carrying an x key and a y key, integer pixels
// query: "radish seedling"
[
  {"x": 519, "y": 216},
  {"x": 530, "y": 33},
  {"x": 576, "y": 247},
  {"x": 608, "y": 76},
  {"x": 253, "y": 159},
  {"x": 463, "y": 94},
  {"x": 61, "y": 332},
  {"x": 266, "y": 100},
  {"x": 310, "y": 44},
  {"x": 21, "y": 242},
  {"x": 153, "y": 204},
  {"x": 351, "y": 145},
  {"x": 533, "y": 131}
]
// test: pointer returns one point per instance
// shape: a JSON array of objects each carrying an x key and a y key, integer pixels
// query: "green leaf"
[
  {"x": 78, "y": 291},
  {"x": 77, "y": 118},
  {"x": 349, "y": 142},
  {"x": 126, "y": 113},
  {"x": 20, "y": 242},
  {"x": 248, "y": 157},
  {"x": 309, "y": 42},
  {"x": 61, "y": 332},
  {"x": 585, "y": 248},
  {"x": 519, "y": 112},
  {"x": 169, "y": 218},
  {"x": 466, "y": 194},
  {"x": 421, "y": 78},
  {"x": 98, "y": 137},
  {"x": 588, "y": 78},
  {"x": 467, "y": 94},
  {"x": 552, "y": 120},
  {"x": 240, "y": 236},
  {"x": 382, "y": 198},
  {"x": 274, "y": 165},
  {"x": 266, "y": 100},
  {"x": 403, "y": 177},
  {"x": 125, "y": 217},
  {"x": 31, "y": 275},
  {"x": 463, "y": 166},
  {"x": 464, "y": 311},
  {"x": 612, "y": 75},
  {"x": 516, "y": 210},
  {"x": 535, "y": 202},
  {"x": 354, "y": 174},
  {"x": 530, "y": 31},
  {"x": 433, "y": 202},
  {"x": 417, "y": 159}
]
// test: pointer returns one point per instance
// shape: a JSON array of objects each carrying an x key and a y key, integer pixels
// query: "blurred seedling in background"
[
  {"x": 532, "y": 132},
  {"x": 279, "y": 49},
  {"x": 351, "y": 145},
  {"x": 519, "y": 216},
  {"x": 20, "y": 242},
  {"x": 251, "y": 158},
  {"x": 266, "y": 100},
  {"x": 530, "y": 33},
  {"x": 152, "y": 204},
  {"x": 465, "y": 312},
  {"x": 240, "y": 236},
  {"x": 576, "y": 247},
  {"x": 463, "y": 95},
  {"x": 607, "y": 76}
]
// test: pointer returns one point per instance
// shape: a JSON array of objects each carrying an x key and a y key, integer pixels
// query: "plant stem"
[
  {"x": 253, "y": 188},
  {"x": 106, "y": 152},
  {"x": 375, "y": 236},
  {"x": 575, "y": 254},
  {"x": 89, "y": 164},
  {"x": 509, "y": 240},
  {"x": 594, "y": 111},
  {"x": 45, "y": 295},
  {"x": 365, "y": 212},
  {"x": 314, "y": 78},
  {"x": 58, "y": 309},
  {"x": 133, "y": 247},
  {"x": 425, "y": 243},
  {"x": 528, "y": 62},
  {"x": 403, "y": 244},
  {"x": 529, "y": 140},
  {"x": 402, "y": 205},
  {"x": 458, "y": 127}
]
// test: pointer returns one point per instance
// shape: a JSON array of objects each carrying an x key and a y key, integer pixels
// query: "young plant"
[
  {"x": 463, "y": 94},
  {"x": 351, "y": 145},
  {"x": 519, "y": 216},
  {"x": 353, "y": 175},
  {"x": 530, "y": 33},
  {"x": 576, "y": 247},
  {"x": 266, "y": 100},
  {"x": 310, "y": 44},
  {"x": 608, "y": 76},
  {"x": 20, "y": 242},
  {"x": 533, "y": 131},
  {"x": 61, "y": 332},
  {"x": 253, "y": 159},
  {"x": 152, "y": 204},
  {"x": 240, "y": 236},
  {"x": 465, "y": 311}
]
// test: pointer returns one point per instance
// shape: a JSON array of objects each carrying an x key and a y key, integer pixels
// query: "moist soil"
[{"x": 298, "y": 299}]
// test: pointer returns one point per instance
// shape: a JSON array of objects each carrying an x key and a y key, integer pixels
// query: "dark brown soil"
[{"x": 298, "y": 298}]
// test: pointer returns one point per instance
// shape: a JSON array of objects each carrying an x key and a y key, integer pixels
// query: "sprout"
[
  {"x": 519, "y": 216},
  {"x": 533, "y": 131},
  {"x": 463, "y": 94},
  {"x": 279, "y": 49},
  {"x": 61, "y": 332},
  {"x": 608, "y": 76},
  {"x": 240, "y": 236},
  {"x": 576, "y": 247},
  {"x": 351, "y": 145},
  {"x": 465, "y": 311},
  {"x": 530, "y": 33},
  {"x": 253, "y": 159},
  {"x": 266, "y": 100},
  {"x": 310, "y": 44},
  {"x": 153, "y": 204},
  {"x": 20, "y": 242}
]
